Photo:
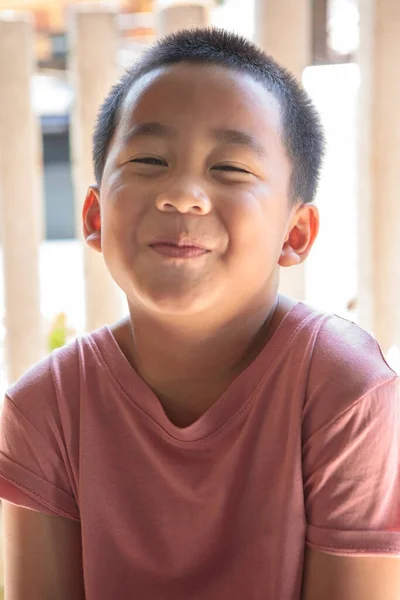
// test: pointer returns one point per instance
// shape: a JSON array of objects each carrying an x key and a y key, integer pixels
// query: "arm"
[
  {"x": 42, "y": 556},
  {"x": 331, "y": 577}
]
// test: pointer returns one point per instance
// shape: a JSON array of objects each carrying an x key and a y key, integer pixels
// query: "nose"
[{"x": 185, "y": 197}]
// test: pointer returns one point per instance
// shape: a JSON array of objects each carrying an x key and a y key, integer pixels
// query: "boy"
[{"x": 222, "y": 441}]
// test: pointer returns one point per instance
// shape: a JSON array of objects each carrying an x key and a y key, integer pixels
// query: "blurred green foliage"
[{"x": 59, "y": 333}]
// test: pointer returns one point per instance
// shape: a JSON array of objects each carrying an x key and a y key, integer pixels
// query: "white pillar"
[
  {"x": 379, "y": 171},
  {"x": 283, "y": 30},
  {"x": 93, "y": 43},
  {"x": 21, "y": 216},
  {"x": 174, "y": 15}
]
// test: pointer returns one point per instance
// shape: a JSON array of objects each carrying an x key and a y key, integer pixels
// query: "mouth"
[{"x": 182, "y": 247}]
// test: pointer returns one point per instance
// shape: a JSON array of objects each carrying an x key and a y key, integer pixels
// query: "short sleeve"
[
  {"x": 351, "y": 474},
  {"x": 33, "y": 473}
]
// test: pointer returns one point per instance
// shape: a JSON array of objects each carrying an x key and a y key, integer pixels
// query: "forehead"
[{"x": 192, "y": 97}]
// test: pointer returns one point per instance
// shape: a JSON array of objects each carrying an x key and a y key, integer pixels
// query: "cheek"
[
  {"x": 121, "y": 217},
  {"x": 255, "y": 227},
  {"x": 246, "y": 219}
]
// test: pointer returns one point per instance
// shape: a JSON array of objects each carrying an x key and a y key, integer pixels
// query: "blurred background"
[{"x": 58, "y": 60}]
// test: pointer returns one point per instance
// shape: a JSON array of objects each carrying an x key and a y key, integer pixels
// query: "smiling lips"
[{"x": 179, "y": 247}]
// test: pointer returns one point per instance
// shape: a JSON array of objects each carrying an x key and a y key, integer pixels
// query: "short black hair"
[{"x": 303, "y": 134}]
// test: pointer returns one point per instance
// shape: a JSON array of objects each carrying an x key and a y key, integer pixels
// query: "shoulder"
[
  {"x": 55, "y": 381},
  {"x": 39, "y": 381},
  {"x": 346, "y": 365},
  {"x": 342, "y": 347}
]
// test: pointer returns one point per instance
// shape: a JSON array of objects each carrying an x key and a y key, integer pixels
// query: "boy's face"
[{"x": 198, "y": 153}]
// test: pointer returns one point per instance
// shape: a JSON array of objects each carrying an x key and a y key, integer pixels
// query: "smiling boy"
[{"x": 222, "y": 440}]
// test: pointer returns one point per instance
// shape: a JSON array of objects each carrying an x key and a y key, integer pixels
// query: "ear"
[
  {"x": 301, "y": 234},
  {"x": 92, "y": 219}
]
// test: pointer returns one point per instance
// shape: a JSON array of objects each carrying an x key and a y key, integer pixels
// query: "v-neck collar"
[{"x": 233, "y": 400}]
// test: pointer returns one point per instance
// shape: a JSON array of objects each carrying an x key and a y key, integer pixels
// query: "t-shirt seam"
[
  {"x": 28, "y": 470},
  {"x": 261, "y": 382},
  {"x": 353, "y": 549},
  {"x": 316, "y": 332},
  {"x": 46, "y": 444},
  {"x": 55, "y": 388},
  {"x": 17, "y": 409},
  {"x": 348, "y": 408},
  {"x": 43, "y": 500},
  {"x": 220, "y": 429},
  {"x": 114, "y": 381},
  {"x": 375, "y": 341},
  {"x": 337, "y": 417}
]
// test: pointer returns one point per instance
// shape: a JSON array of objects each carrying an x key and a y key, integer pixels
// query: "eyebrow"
[
  {"x": 230, "y": 137},
  {"x": 147, "y": 130},
  {"x": 235, "y": 137}
]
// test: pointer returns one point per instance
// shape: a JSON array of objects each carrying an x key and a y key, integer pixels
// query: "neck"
[{"x": 164, "y": 352}]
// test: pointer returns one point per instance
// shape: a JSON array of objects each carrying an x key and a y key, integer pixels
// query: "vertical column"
[
  {"x": 283, "y": 30},
  {"x": 379, "y": 173},
  {"x": 365, "y": 260},
  {"x": 93, "y": 46},
  {"x": 174, "y": 15},
  {"x": 21, "y": 217}
]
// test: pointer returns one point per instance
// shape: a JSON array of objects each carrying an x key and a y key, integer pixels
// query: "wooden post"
[
  {"x": 172, "y": 16},
  {"x": 93, "y": 40},
  {"x": 379, "y": 172},
  {"x": 283, "y": 30},
  {"x": 21, "y": 216}
]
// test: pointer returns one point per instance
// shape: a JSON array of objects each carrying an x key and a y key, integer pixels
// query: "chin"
[
  {"x": 183, "y": 305},
  {"x": 174, "y": 302}
]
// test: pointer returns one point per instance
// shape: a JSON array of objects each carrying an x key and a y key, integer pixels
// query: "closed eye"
[
  {"x": 231, "y": 168},
  {"x": 150, "y": 160}
]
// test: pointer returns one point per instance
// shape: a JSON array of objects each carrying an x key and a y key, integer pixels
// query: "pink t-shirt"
[{"x": 303, "y": 448}]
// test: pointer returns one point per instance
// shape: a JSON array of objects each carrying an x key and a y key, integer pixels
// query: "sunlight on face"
[{"x": 198, "y": 154}]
